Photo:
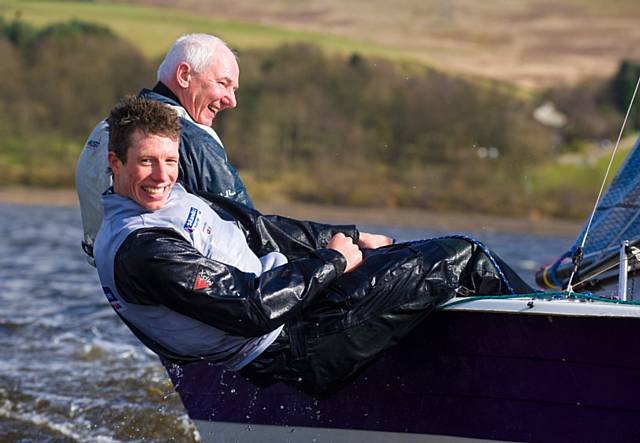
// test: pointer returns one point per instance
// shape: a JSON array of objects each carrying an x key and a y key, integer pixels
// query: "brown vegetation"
[
  {"x": 531, "y": 43},
  {"x": 55, "y": 85},
  {"x": 333, "y": 130}
]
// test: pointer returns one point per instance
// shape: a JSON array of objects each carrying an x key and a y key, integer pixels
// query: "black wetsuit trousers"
[{"x": 368, "y": 310}]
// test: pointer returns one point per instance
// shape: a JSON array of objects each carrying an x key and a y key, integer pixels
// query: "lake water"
[{"x": 71, "y": 371}]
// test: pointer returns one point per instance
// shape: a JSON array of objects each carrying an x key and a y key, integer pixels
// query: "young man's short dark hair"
[{"x": 136, "y": 113}]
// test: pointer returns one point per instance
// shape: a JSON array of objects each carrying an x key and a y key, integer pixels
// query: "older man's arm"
[
  {"x": 267, "y": 233},
  {"x": 294, "y": 238}
]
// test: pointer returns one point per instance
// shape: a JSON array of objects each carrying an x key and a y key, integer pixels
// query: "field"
[
  {"x": 529, "y": 43},
  {"x": 532, "y": 43},
  {"x": 154, "y": 29}
]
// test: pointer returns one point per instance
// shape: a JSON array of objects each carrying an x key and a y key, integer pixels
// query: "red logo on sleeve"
[{"x": 203, "y": 281}]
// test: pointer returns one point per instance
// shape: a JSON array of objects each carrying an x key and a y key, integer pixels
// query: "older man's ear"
[{"x": 183, "y": 75}]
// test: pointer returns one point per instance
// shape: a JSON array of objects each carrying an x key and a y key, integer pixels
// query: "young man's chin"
[{"x": 153, "y": 204}]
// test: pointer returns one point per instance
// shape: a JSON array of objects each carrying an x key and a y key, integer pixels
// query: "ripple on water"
[{"x": 106, "y": 399}]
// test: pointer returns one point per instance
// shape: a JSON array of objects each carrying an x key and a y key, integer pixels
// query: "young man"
[{"x": 276, "y": 298}]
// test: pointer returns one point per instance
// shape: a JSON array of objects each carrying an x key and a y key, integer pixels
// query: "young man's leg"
[{"x": 368, "y": 310}]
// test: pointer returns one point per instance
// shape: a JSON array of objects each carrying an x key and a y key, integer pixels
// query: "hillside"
[
  {"x": 531, "y": 43},
  {"x": 399, "y": 130}
]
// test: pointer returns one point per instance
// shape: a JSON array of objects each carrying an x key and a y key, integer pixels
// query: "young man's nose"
[{"x": 160, "y": 172}]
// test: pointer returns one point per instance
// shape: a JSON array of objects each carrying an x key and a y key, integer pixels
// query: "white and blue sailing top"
[{"x": 214, "y": 238}]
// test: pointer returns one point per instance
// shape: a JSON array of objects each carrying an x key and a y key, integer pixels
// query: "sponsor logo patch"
[
  {"x": 228, "y": 193},
  {"x": 113, "y": 301},
  {"x": 203, "y": 280},
  {"x": 192, "y": 219},
  {"x": 93, "y": 143}
]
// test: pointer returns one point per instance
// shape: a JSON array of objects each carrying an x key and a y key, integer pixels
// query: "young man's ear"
[{"x": 114, "y": 163}]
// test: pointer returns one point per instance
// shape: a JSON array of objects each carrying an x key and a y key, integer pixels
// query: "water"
[{"x": 71, "y": 371}]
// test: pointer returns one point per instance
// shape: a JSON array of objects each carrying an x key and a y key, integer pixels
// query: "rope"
[
  {"x": 606, "y": 175},
  {"x": 549, "y": 272}
]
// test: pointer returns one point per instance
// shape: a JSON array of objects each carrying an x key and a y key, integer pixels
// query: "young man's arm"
[{"x": 157, "y": 266}]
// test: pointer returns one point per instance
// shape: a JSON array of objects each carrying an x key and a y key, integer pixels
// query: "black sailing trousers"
[{"x": 367, "y": 311}]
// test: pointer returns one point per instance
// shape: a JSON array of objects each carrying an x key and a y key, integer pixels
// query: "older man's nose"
[{"x": 229, "y": 100}]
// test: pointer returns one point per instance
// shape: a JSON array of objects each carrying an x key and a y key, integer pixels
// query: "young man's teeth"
[{"x": 154, "y": 190}]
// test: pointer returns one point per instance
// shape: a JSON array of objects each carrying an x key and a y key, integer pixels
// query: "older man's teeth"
[{"x": 153, "y": 190}]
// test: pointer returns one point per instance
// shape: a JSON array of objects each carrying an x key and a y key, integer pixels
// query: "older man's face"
[
  {"x": 150, "y": 171},
  {"x": 212, "y": 90}
]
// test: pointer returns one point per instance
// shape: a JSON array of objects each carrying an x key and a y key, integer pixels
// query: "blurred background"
[
  {"x": 499, "y": 107},
  {"x": 415, "y": 118}
]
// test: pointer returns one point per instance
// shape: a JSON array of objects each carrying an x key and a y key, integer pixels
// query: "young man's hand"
[{"x": 345, "y": 246}]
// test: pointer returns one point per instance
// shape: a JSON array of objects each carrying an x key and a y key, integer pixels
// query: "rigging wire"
[
  {"x": 577, "y": 258},
  {"x": 635, "y": 255},
  {"x": 602, "y": 271}
]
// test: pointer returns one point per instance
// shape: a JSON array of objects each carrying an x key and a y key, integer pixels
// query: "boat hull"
[{"x": 512, "y": 375}]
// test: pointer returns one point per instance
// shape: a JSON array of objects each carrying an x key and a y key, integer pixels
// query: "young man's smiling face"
[
  {"x": 206, "y": 93},
  {"x": 150, "y": 171}
]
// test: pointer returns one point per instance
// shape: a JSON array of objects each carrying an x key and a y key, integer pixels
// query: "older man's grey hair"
[{"x": 197, "y": 50}]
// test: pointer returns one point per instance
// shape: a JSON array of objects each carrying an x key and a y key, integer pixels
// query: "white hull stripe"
[
  {"x": 222, "y": 432},
  {"x": 570, "y": 308}
]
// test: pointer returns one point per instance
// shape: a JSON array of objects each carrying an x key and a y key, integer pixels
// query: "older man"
[
  {"x": 198, "y": 79},
  {"x": 276, "y": 298}
]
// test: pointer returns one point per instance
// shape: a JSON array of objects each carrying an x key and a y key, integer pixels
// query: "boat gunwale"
[{"x": 538, "y": 306}]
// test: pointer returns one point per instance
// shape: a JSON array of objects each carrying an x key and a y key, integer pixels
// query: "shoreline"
[{"x": 397, "y": 217}]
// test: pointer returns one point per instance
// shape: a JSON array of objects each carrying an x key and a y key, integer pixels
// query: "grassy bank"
[
  {"x": 569, "y": 186},
  {"x": 404, "y": 218},
  {"x": 38, "y": 160},
  {"x": 562, "y": 190}
]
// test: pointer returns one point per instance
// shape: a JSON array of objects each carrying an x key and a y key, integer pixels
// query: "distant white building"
[{"x": 548, "y": 115}]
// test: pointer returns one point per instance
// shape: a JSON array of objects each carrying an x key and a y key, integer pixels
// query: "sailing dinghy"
[
  {"x": 534, "y": 369},
  {"x": 541, "y": 367}
]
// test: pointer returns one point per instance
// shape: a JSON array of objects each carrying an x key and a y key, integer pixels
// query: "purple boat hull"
[{"x": 491, "y": 375}]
